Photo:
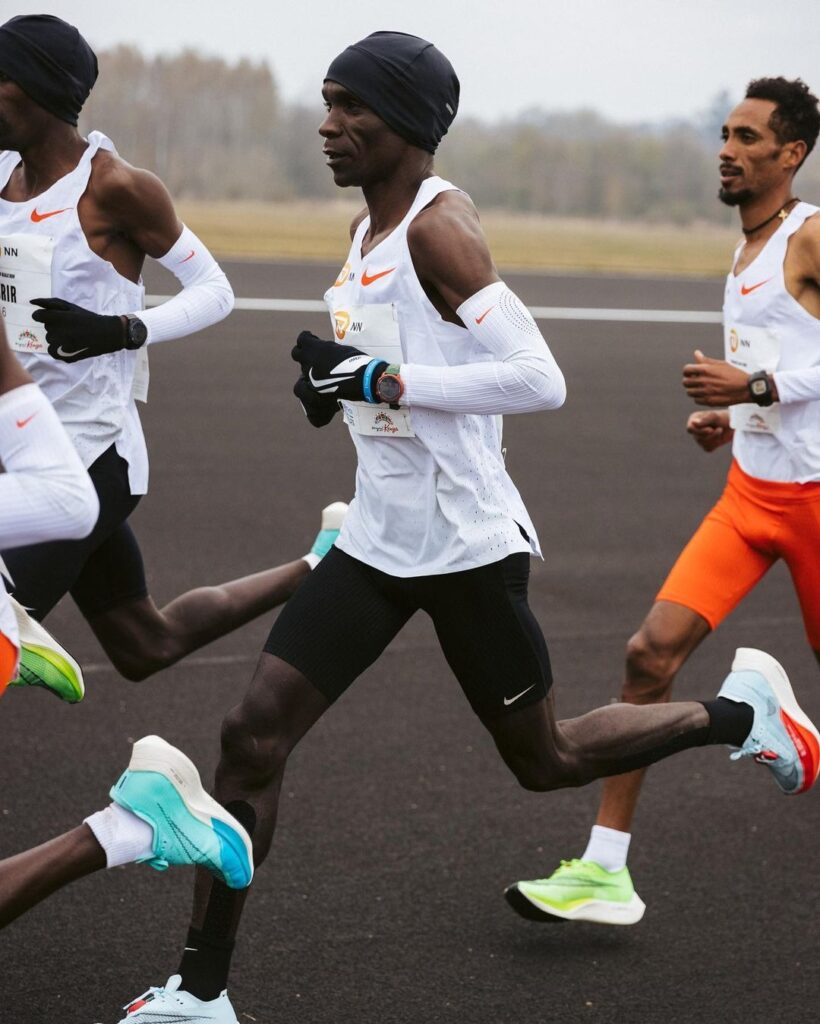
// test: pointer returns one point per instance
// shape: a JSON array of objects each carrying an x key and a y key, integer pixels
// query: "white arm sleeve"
[
  {"x": 45, "y": 492},
  {"x": 206, "y": 296},
  {"x": 523, "y": 376},
  {"x": 798, "y": 385}
]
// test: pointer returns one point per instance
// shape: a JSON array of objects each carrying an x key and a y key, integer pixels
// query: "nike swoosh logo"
[
  {"x": 330, "y": 380},
  {"x": 72, "y": 352},
  {"x": 37, "y": 217},
  {"x": 745, "y": 291},
  {"x": 190, "y": 256},
  {"x": 512, "y": 700},
  {"x": 28, "y": 419},
  {"x": 478, "y": 319},
  {"x": 370, "y": 278}
]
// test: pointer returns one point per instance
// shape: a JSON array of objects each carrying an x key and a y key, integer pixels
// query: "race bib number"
[
  {"x": 752, "y": 349},
  {"x": 25, "y": 274},
  {"x": 374, "y": 329}
]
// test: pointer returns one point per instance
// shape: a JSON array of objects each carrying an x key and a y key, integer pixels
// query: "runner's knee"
[
  {"x": 650, "y": 668},
  {"x": 253, "y": 753}
]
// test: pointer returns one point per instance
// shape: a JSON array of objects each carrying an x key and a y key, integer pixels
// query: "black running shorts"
[
  {"x": 101, "y": 571},
  {"x": 346, "y": 613}
]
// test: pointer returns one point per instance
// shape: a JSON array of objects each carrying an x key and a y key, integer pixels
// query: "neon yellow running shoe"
[
  {"x": 579, "y": 890},
  {"x": 43, "y": 662}
]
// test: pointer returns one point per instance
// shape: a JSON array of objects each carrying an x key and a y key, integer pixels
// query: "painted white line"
[{"x": 639, "y": 316}]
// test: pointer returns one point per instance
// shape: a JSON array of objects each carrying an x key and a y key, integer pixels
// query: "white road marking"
[{"x": 639, "y": 316}]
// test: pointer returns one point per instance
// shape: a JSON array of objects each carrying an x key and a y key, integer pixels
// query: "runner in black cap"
[
  {"x": 429, "y": 347},
  {"x": 82, "y": 221}
]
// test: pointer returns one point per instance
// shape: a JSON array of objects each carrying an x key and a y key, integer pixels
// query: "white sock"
[
  {"x": 607, "y": 847},
  {"x": 312, "y": 559},
  {"x": 124, "y": 837}
]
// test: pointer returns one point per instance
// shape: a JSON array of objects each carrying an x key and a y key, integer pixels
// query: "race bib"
[
  {"x": 25, "y": 274},
  {"x": 139, "y": 389},
  {"x": 374, "y": 329},
  {"x": 752, "y": 349}
]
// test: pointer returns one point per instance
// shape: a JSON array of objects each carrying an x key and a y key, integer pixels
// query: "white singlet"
[
  {"x": 432, "y": 494},
  {"x": 43, "y": 238},
  {"x": 766, "y": 328}
]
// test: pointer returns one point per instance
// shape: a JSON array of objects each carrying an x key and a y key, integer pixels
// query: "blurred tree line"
[{"x": 216, "y": 130}]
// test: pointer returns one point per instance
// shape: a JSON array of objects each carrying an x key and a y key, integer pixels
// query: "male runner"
[
  {"x": 76, "y": 223},
  {"x": 436, "y": 523},
  {"x": 770, "y": 508}
]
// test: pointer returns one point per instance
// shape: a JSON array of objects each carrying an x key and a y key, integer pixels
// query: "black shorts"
[
  {"x": 101, "y": 571},
  {"x": 345, "y": 613}
]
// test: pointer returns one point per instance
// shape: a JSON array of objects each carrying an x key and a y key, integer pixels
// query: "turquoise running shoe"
[
  {"x": 332, "y": 518},
  {"x": 43, "y": 662},
  {"x": 579, "y": 890},
  {"x": 162, "y": 786},
  {"x": 782, "y": 737}
]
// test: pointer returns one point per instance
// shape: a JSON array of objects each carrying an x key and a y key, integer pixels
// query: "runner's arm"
[
  {"x": 453, "y": 263},
  {"x": 804, "y": 385}
]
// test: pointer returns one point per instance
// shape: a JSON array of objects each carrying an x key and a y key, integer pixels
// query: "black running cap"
[
  {"x": 405, "y": 80},
  {"x": 50, "y": 61}
]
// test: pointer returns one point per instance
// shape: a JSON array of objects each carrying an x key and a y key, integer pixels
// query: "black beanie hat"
[
  {"x": 408, "y": 82},
  {"x": 50, "y": 61}
]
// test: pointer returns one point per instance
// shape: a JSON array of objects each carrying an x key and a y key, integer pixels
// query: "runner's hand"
[
  {"x": 715, "y": 382},
  {"x": 74, "y": 333},
  {"x": 710, "y": 429},
  {"x": 319, "y": 409},
  {"x": 338, "y": 370}
]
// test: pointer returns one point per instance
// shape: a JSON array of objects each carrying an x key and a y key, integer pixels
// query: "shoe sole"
[
  {"x": 802, "y": 731},
  {"x": 593, "y": 911},
  {"x": 154, "y": 754},
  {"x": 37, "y": 641}
]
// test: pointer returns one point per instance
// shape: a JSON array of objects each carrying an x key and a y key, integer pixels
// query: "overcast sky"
[{"x": 632, "y": 60}]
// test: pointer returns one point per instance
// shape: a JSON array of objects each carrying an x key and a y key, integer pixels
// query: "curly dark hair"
[{"x": 796, "y": 116}]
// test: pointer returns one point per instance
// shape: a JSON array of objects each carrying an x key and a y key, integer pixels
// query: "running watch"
[
  {"x": 389, "y": 387},
  {"x": 136, "y": 332},
  {"x": 760, "y": 388}
]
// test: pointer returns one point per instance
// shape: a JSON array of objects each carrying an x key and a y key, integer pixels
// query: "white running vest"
[
  {"x": 432, "y": 494},
  {"x": 765, "y": 328},
  {"x": 44, "y": 253}
]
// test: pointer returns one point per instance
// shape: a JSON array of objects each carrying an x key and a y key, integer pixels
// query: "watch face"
[
  {"x": 389, "y": 388},
  {"x": 137, "y": 332},
  {"x": 759, "y": 387}
]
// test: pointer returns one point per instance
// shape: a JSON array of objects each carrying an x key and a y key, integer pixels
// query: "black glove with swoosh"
[
  {"x": 74, "y": 333},
  {"x": 319, "y": 409},
  {"x": 338, "y": 370}
]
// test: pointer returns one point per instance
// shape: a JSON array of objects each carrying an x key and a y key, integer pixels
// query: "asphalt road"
[{"x": 399, "y": 826}]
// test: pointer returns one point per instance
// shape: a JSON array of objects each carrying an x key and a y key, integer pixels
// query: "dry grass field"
[{"x": 315, "y": 231}]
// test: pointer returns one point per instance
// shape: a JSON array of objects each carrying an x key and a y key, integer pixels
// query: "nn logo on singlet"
[
  {"x": 344, "y": 325},
  {"x": 9, "y": 250},
  {"x": 736, "y": 342}
]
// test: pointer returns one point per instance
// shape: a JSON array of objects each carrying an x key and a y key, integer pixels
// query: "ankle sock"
[
  {"x": 730, "y": 721},
  {"x": 124, "y": 837},
  {"x": 607, "y": 847}
]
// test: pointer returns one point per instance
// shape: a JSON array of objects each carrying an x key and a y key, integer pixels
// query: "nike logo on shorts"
[{"x": 512, "y": 700}]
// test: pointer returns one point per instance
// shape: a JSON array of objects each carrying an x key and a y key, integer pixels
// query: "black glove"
[
  {"x": 319, "y": 409},
  {"x": 74, "y": 333},
  {"x": 340, "y": 370}
]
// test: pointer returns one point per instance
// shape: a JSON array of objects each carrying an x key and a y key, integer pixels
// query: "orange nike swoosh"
[
  {"x": 37, "y": 217},
  {"x": 28, "y": 419},
  {"x": 478, "y": 319},
  {"x": 369, "y": 279},
  {"x": 190, "y": 256},
  {"x": 745, "y": 291}
]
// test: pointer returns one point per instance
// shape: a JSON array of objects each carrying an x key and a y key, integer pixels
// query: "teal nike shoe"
[
  {"x": 332, "y": 519},
  {"x": 162, "y": 786},
  {"x": 579, "y": 890}
]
